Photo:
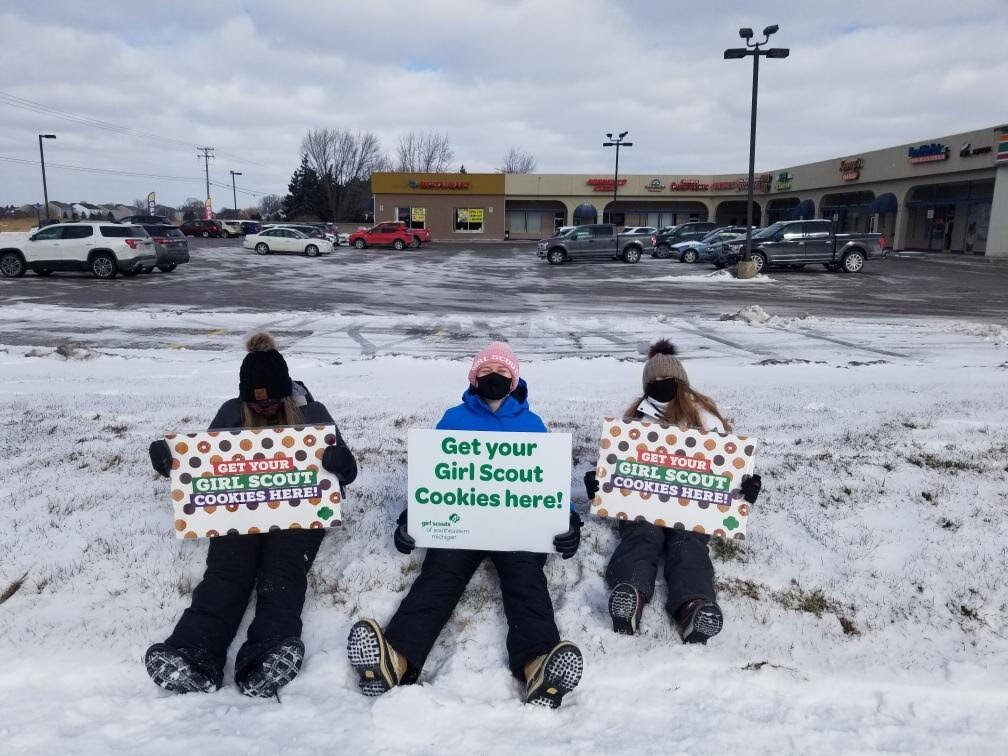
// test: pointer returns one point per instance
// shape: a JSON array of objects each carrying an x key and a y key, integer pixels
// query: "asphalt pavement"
[{"x": 508, "y": 278}]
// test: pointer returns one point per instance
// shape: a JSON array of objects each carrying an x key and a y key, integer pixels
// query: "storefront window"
[
  {"x": 413, "y": 217},
  {"x": 469, "y": 219}
]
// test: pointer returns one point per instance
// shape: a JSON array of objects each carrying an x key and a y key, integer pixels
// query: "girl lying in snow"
[
  {"x": 689, "y": 575},
  {"x": 496, "y": 400},
  {"x": 276, "y": 563}
]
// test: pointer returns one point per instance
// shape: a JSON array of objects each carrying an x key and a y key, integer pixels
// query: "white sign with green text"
[{"x": 488, "y": 491}]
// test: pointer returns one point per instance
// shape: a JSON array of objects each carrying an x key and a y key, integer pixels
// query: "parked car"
[
  {"x": 310, "y": 229},
  {"x": 170, "y": 245},
  {"x": 104, "y": 248},
  {"x": 390, "y": 234},
  {"x": 702, "y": 250},
  {"x": 343, "y": 237},
  {"x": 142, "y": 220},
  {"x": 231, "y": 228},
  {"x": 250, "y": 227},
  {"x": 420, "y": 235},
  {"x": 639, "y": 231},
  {"x": 663, "y": 240},
  {"x": 287, "y": 240},
  {"x": 204, "y": 228},
  {"x": 598, "y": 241},
  {"x": 799, "y": 243}
]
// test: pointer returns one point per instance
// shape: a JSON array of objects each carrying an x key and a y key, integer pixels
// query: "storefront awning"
[
  {"x": 804, "y": 209},
  {"x": 884, "y": 203}
]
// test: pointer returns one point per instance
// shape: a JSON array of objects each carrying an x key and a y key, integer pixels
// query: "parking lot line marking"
[
  {"x": 841, "y": 342},
  {"x": 217, "y": 332},
  {"x": 354, "y": 332}
]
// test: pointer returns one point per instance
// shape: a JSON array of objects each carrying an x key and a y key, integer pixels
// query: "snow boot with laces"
[
  {"x": 263, "y": 677},
  {"x": 182, "y": 670},
  {"x": 556, "y": 675}
]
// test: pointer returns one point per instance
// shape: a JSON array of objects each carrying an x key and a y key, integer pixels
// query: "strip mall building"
[{"x": 948, "y": 194}]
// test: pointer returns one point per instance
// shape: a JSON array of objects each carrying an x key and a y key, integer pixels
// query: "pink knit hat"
[{"x": 498, "y": 353}]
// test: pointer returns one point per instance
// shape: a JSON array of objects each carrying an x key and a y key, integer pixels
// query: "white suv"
[{"x": 103, "y": 248}]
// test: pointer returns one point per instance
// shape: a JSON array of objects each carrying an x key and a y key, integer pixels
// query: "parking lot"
[{"x": 508, "y": 278}]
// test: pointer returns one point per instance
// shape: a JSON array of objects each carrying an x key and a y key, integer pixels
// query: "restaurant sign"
[
  {"x": 654, "y": 185},
  {"x": 688, "y": 185},
  {"x": 850, "y": 170},
  {"x": 442, "y": 185},
  {"x": 605, "y": 184},
  {"x": 741, "y": 184}
]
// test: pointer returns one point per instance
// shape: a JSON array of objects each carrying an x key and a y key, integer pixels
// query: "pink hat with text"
[{"x": 498, "y": 353}]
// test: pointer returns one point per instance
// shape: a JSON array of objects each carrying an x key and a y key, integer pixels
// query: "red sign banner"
[{"x": 605, "y": 184}]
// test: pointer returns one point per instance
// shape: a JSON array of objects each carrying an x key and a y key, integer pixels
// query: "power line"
[
  {"x": 106, "y": 171},
  {"x": 40, "y": 108}
]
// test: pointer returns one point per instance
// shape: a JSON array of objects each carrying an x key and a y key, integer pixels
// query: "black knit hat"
[{"x": 263, "y": 373}]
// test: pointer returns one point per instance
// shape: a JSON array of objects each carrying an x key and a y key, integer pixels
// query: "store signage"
[
  {"x": 741, "y": 184},
  {"x": 1002, "y": 150},
  {"x": 850, "y": 170},
  {"x": 968, "y": 150},
  {"x": 605, "y": 184},
  {"x": 928, "y": 153},
  {"x": 449, "y": 185},
  {"x": 655, "y": 185},
  {"x": 688, "y": 185},
  {"x": 783, "y": 181}
]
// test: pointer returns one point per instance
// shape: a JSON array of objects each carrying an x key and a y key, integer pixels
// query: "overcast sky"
[{"x": 551, "y": 77}]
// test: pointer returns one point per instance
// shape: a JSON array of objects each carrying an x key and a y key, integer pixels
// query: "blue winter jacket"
[{"x": 513, "y": 415}]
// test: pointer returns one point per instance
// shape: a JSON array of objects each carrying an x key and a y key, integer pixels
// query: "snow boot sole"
[
  {"x": 276, "y": 668},
  {"x": 557, "y": 676},
  {"x": 705, "y": 622},
  {"x": 625, "y": 607},
  {"x": 171, "y": 670},
  {"x": 368, "y": 654}
]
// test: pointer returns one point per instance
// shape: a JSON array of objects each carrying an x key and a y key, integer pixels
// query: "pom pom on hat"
[
  {"x": 261, "y": 341},
  {"x": 662, "y": 363}
]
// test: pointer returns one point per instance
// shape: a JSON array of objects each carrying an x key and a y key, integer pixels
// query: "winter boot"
[
  {"x": 182, "y": 670},
  {"x": 698, "y": 620},
  {"x": 379, "y": 666},
  {"x": 625, "y": 607},
  {"x": 553, "y": 676},
  {"x": 263, "y": 677}
]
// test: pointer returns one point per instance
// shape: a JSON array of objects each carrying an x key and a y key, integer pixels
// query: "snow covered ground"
[{"x": 866, "y": 613}]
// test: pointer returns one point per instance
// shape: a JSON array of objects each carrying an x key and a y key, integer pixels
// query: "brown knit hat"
[{"x": 662, "y": 363}]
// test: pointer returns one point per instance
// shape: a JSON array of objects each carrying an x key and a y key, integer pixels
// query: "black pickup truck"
[{"x": 798, "y": 243}]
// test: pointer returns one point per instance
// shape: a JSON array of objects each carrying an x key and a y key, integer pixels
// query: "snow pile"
[
  {"x": 717, "y": 276},
  {"x": 752, "y": 314},
  {"x": 865, "y": 613}
]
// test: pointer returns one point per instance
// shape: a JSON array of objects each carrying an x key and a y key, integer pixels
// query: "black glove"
[
  {"x": 567, "y": 543},
  {"x": 160, "y": 457},
  {"x": 591, "y": 484},
  {"x": 750, "y": 488},
  {"x": 403, "y": 540},
  {"x": 339, "y": 460}
]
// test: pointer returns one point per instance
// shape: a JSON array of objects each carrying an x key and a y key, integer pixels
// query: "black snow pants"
[
  {"x": 276, "y": 564},
  {"x": 688, "y": 569},
  {"x": 532, "y": 629}
]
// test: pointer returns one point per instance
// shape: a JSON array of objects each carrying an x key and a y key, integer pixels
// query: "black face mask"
[
  {"x": 493, "y": 386},
  {"x": 663, "y": 390}
]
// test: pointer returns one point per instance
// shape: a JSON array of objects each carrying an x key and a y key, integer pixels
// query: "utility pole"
[
  {"x": 45, "y": 188},
  {"x": 207, "y": 154},
  {"x": 616, "y": 142},
  {"x": 234, "y": 192}
]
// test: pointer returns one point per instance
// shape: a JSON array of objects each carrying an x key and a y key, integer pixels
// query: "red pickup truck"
[{"x": 392, "y": 233}]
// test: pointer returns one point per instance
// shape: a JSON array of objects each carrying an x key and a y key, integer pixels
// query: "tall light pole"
[
  {"x": 45, "y": 189},
  {"x": 755, "y": 50},
  {"x": 616, "y": 142},
  {"x": 234, "y": 192}
]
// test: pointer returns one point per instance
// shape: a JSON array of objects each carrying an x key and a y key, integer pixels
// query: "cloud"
[{"x": 251, "y": 77}]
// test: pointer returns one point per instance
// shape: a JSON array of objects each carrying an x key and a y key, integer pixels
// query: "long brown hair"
[
  {"x": 289, "y": 414},
  {"x": 684, "y": 409}
]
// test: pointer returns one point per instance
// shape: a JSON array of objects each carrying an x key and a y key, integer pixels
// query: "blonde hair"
[
  {"x": 289, "y": 414},
  {"x": 684, "y": 409}
]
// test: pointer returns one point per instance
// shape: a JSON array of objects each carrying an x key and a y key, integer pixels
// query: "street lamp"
[
  {"x": 616, "y": 142},
  {"x": 45, "y": 189},
  {"x": 234, "y": 192},
  {"x": 735, "y": 53}
]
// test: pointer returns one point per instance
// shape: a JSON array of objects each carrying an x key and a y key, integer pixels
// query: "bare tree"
[
  {"x": 270, "y": 205},
  {"x": 341, "y": 159},
  {"x": 424, "y": 152},
  {"x": 518, "y": 161}
]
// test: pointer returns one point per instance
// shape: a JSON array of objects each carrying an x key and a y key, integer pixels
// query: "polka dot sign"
[
  {"x": 252, "y": 481},
  {"x": 673, "y": 477}
]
